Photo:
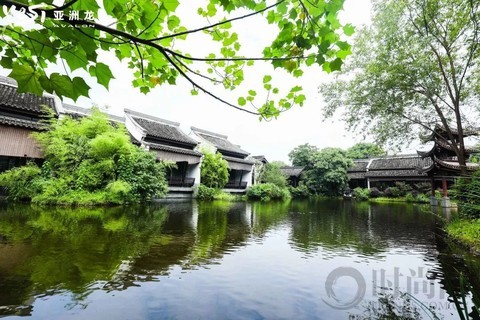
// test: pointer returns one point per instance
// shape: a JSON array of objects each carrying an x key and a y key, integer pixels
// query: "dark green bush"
[
  {"x": 299, "y": 192},
  {"x": 392, "y": 192},
  {"x": 375, "y": 193}
]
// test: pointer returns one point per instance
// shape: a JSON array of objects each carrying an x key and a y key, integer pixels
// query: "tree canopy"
[
  {"x": 365, "y": 150},
  {"x": 325, "y": 170},
  {"x": 214, "y": 170},
  {"x": 150, "y": 36},
  {"x": 415, "y": 67},
  {"x": 303, "y": 155}
]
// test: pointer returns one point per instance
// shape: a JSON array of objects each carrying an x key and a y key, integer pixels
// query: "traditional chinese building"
[
  {"x": 20, "y": 115},
  {"x": 171, "y": 144},
  {"x": 443, "y": 165},
  {"x": 293, "y": 174},
  {"x": 240, "y": 168},
  {"x": 385, "y": 171}
]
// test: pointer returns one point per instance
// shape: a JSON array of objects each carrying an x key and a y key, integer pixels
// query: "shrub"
[
  {"x": 403, "y": 188},
  {"x": 206, "y": 193},
  {"x": 267, "y": 192},
  {"x": 271, "y": 173},
  {"x": 392, "y": 192},
  {"x": 299, "y": 192},
  {"x": 423, "y": 187},
  {"x": 23, "y": 183},
  {"x": 375, "y": 193},
  {"x": 467, "y": 191},
  {"x": 361, "y": 194}
]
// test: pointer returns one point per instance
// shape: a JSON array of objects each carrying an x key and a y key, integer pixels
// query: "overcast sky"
[{"x": 274, "y": 139}]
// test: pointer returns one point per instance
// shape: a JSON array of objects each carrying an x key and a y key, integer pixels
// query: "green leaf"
[
  {"x": 80, "y": 88},
  {"x": 348, "y": 29},
  {"x": 252, "y": 92},
  {"x": 103, "y": 74},
  {"x": 27, "y": 79},
  {"x": 76, "y": 59},
  {"x": 336, "y": 65},
  {"x": 267, "y": 78},
  {"x": 62, "y": 85},
  {"x": 242, "y": 101},
  {"x": 170, "y": 5}
]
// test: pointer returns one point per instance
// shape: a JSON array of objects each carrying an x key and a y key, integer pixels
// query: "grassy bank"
[{"x": 466, "y": 231}]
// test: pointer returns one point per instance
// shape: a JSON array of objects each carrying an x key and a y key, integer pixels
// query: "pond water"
[{"x": 314, "y": 259}]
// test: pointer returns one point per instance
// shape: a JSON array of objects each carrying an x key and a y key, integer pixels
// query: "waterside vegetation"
[{"x": 89, "y": 161}]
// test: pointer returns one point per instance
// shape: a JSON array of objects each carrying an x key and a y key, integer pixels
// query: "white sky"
[{"x": 274, "y": 139}]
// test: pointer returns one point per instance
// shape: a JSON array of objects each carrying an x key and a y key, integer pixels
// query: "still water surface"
[{"x": 187, "y": 260}]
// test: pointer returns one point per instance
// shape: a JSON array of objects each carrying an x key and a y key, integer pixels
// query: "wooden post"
[
  {"x": 444, "y": 187},
  {"x": 433, "y": 186}
]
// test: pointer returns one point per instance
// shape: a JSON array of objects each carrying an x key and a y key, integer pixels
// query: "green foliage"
[
  {"x": 414, "y": 67},
  {"x": 267, "y": 192},
  {"x": 328, "y": 175},
  {"x": 364, "y": 150},
  {"x": 89, "y": 162},
  {"x": 23, "y": 183},
  {"x": 325, "y": 170},
  {"x": 303, "y": 155},
  {"x": 206, "y": 193},
  {"x": 141, "y": 34},
  {"x": 468, "y": 196},
  {"x": 214, "y": 171},
  {"x": 418, "y": 198},
  {"x": 299, "y": 192},
  {"x": 361, "y": 194},
  {"x": 392, "y": 192},
  {"x": 271, "y": 173},
  {"x": 465, "y": 230}
]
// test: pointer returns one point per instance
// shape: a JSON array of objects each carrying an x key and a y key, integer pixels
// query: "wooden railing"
[
  {"x": 179, "y": 182},
  {"x": 236, "y": 185}
]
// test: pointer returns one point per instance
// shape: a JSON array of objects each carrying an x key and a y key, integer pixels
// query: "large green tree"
[
  {"x": 303, "y": 155},
  {"x": 364, "y": 150},
  {"x": 147, "y": 35},
  {"x": 325, "y": 170},
  {"x": 415, "y": 67}
]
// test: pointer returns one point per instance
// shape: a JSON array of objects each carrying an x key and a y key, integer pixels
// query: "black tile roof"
[
  {"x": 232, "y": 159},
  {"x": 164, "y": 131},
  {"x": 397, "y": 163},
  {"x": 359, "y": 166},
  {"x": 17, "y": 122},
  {"x": 10, "y": 98},
  {"x": 220, "y": 142},
  {"x": 156, "y": 146},
  {"x": 292, "y": 171}
]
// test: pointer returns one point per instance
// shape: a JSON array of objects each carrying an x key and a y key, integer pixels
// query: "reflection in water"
[{"x": 211, "y": 260}]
